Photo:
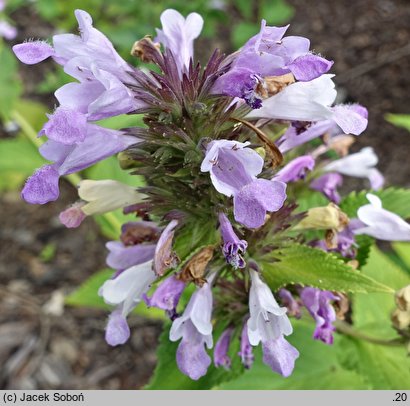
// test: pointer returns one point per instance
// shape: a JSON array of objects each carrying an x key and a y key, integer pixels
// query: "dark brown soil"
[{"x": 40, "y": 350}]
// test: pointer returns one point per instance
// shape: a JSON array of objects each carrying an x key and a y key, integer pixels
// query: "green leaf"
[
  {"x": 381, "y": 367},
  {"x": 402, "y": 249},
  {"x": 393, "y": 199},
  {"x": 87, "y": 296},
  {"x": 371, "y": 313},
  {"x": 168, "y": 376},
  {"x": 399, "y": 120},
  {"x": 300, "y": 264},
  {"x": 316, "y": 368}
]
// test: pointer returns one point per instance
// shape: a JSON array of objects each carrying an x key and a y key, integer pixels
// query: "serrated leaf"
[
  {"x": 87, "y": 296},
  {"x": 394, "y": 199},
  {"x": 168, "y": 376},
  {"x": 381, "y": 367},
  {"x": 299, "y": 264}
]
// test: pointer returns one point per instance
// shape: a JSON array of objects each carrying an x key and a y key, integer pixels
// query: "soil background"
[{"x": 44, "y": 345}]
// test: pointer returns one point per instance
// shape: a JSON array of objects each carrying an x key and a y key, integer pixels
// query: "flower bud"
[
  {"x": 401, "y": 319},
  {"x": 324, "y": 218},
  {"x": 403, "y": 298}
]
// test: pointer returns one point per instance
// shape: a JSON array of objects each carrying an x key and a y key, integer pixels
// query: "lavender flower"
[
  {"x": 195, "y": 329},
  {"x": 233, "y": 247},
  {"x": 268, "y": 324},
  {"x": 328, "y": 184},
  {"x": 291, "y": 304},
  {"x": 361, "y": 165},
  {"x": 178, "y": 35},
  {"x": 381, "y": 223},
  {"x": 318, "y": 304},
  {"x": 246, "y": 352},
  {"x": 269, "y": 54},
  {"x": 295, "y": 169},
  {"x": 125, "y": 291},
  {"x": 166, "y": 296},
  {"x": 221, "y": 358},
  {"x": 233, "y": 169},
  {"x": 350, "y": 119}
]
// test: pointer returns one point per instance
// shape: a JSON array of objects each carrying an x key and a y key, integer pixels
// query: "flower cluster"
[{"x": 224, "y": 152}]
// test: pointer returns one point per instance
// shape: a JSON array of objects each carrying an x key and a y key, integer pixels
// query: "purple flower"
[
  {"x": 233, "y": 247},
  {"x": 125, "y": 291},
  {"x": 125, "y": 256},
  {"x": 166, "y": 295},
  {"x": 221, "y": 358},
  {"x": 164, "y": 257},
  {"x": 233, "y": 169},
  {"x": 349, "y": 118},
  {"x": 280, "y": 355},
  {"x": 74, "y": 142},
  {"x": 296, "y": 169},
  {"x": 246, "y": 352},
  {"x": 268, "y": 323},
  {"x": 99, "y": 143},
  {"x": 328, "y": 184},
  {"x": 361, "y": 165},
  {"x": 317, "y": 302},
  {"x": 195, "y": 329},
  {"x": 42, "y": 186},
  {"x": 269, "y": 54},
  {"x": 289, "y": 301},
  {"x": 7, "y": 31},
  {"x": 381, "y": 223},
  {"x": 178, "y": 35},
  {"x": 117, "y": 331}
]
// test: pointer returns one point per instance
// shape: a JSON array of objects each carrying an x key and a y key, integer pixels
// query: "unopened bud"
[
  {"x": 403, "y": 298},
  {"x": 401, "y": 319},
  {"x": 324, "y": 218},
  {"x": 146, "y": 50}
]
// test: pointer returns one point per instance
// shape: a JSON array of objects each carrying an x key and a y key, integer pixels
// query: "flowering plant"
[{"x": 240, "y": 223}]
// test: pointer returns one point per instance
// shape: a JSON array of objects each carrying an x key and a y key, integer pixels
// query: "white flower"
[
  {"x": 127, "y": 288},
  {"x": 380, "y": 223},
  {"x": 360, "y": 165},
  {"x": 106, "y": 195},
  {"x": 125, "y": 291},
  {"x": 268, "y": 321},
  {"x": 300, "y": 101}
]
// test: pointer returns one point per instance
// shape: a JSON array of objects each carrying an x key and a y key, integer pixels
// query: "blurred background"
[{"x": 45, "y": 341}]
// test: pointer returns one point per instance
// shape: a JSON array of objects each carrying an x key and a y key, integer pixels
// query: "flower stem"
[{"x": 347, "y": 329}]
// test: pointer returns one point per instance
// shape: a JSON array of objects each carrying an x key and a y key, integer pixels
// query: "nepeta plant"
[{"x": 227, "y": 153}]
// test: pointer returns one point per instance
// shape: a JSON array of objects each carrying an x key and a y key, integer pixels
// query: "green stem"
[
  {"x": 73, "y": 178},
  {"x": 348, "y": 330}
]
